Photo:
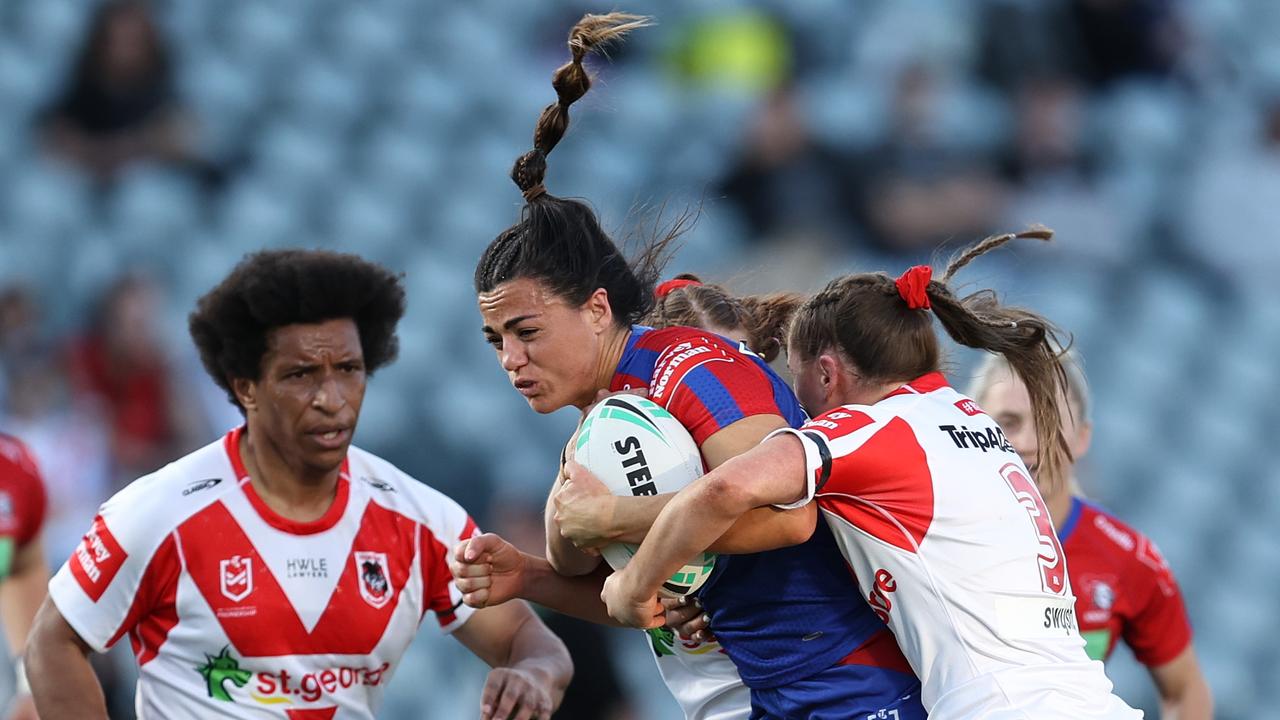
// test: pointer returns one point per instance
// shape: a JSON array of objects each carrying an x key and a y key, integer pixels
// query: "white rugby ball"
[{"x": 638, "y": 448}]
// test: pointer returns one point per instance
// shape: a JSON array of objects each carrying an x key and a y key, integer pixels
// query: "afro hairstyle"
[{"x": 232, "y": 323}]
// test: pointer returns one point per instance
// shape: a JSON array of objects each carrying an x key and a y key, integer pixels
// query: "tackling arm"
[
  {"x": 773, "y": 472},
  {"x": 629, "y": 519},
  {"x": 490, "y": 571}
]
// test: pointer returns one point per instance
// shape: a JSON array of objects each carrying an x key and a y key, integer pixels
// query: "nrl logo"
[
  {"x": 236, "y": 577},
  {"x": 374, "y": 578}
]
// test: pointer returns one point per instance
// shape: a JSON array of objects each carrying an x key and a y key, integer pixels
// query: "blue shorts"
[
  {"x": 873, "y": 683},
  {"x": 824, "y": 697}
]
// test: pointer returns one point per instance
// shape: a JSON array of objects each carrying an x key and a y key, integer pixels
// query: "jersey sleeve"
[
  {"x": 1159, "y": 629},
  {"x": 816, "y": 437},
  {"x": 115, "y": 574},
  {"x": 436, "y": 540},
  {"x": 708, "y": 387}
]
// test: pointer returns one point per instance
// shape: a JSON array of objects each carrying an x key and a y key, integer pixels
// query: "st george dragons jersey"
[
  {"x": 955, "y": 551},
  {"x": 235, "y": 611},
  {"x": 782, "y": 615},
  {"x": 22, "y": 500},
  {"x": 1124, "y": 588}
]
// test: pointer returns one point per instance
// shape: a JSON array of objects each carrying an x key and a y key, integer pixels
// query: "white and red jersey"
[
  {"x": 955, "y": 551},
  {"x": 235, "y": 611}
]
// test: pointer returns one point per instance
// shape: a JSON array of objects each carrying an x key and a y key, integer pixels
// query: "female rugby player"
[
  {"x": 1123, "y": 587},
  {"x": 559, "y": 303},
  {"x": 931, "y": 506}
]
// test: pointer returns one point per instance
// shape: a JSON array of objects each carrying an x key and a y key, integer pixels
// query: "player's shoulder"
[
  {"x": 157, "y": 503},
  {"x": 16, "y": 452},
  {"x": 394, "y": 489},
  {"x": 681, "y": 350},
  {"x": 192, "y": 481},
  {"x": 670, "y": 342},
  {"x": 846, "y": 419},
  {"x": 1101, "y": 525},
  {"x": 1131, "y": 550}
]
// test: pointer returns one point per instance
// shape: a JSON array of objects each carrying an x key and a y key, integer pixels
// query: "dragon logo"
[
  {"x": 374, "y": 578},
  {"x": 663, "y": 640},
  {"x": 218, "y": 670}
]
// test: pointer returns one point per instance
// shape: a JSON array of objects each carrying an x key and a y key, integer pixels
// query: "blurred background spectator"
[
  {"x": 818, "y": 137},
  {"x": 119, "y": 366},
  {"x": 118, "y": 104}
]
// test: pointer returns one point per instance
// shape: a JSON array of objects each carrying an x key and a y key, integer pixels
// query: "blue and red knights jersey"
[{"x": 782, "y": 615}]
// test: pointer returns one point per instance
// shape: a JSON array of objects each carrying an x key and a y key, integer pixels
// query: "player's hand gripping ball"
[{"x": 631, "y": 446}]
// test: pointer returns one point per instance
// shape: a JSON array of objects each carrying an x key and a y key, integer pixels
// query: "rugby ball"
[{"x": 638, "y": 448}]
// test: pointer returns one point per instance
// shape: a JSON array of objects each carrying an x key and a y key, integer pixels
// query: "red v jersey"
[
  {"x": 1123, "y": 588},
  {"x": 235, "y": 611}
]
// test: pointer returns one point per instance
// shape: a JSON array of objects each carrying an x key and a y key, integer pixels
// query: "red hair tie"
[
  {"x": 912, "y": 286},
  {"x": 665, "y": 288}
]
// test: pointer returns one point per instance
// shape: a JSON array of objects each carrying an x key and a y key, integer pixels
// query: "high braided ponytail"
[
  {"x": 559, "y": 242},
  {"x": 571, "y": 81}
]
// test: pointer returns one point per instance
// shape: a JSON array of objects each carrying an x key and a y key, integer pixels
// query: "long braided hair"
[{"x": 559, "y": 241}]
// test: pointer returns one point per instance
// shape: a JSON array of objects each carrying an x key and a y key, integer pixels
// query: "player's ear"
[
  {"x": 598, "y": 310},
  {"x": 246, "y": 392},
  {"x": 828, "y": 369}
]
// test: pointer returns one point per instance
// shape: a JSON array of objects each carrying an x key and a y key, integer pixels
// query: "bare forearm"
[
  {"x": 577, "y": 597},
  {"x": 20, "y": 597},
  {"x": 703, "y": 512},
  {"x": 634, "y": 516},
  {"x": 1194, "y": 703},
  {"x": 691, "y": 522},
  {"x": 760, "y": 529},
  {"x": 766, "y": 528},
  {"x": 568, "y": 560},
  {"x": 64, "y": 687},
  {"x": 537, "y": 651},
  {"x": 565, "y": 558}
]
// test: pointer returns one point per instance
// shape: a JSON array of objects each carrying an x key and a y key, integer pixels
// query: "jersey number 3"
[{"x": 1053, "y": 567}]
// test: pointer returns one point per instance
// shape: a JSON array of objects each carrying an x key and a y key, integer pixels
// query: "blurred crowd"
[{"x": 145, "y": 146}]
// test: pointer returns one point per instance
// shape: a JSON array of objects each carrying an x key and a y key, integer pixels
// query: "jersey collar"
[
  {"x": 271, "y": 517},
  {"x": 926, "y": 383},
  {"x": 633, "y": 370},
  {"x": 1073, "y": 517}
]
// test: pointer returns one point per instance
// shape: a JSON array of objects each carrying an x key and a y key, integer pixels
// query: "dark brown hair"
[
  {"x": 762, "y": 317},
  {"x": 232, "y": 323},
  {"x": 864, "y": 317},
  {"x": 559, "y": 241}
]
